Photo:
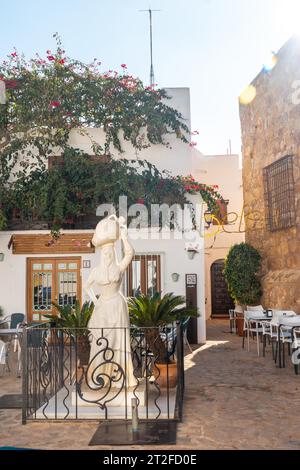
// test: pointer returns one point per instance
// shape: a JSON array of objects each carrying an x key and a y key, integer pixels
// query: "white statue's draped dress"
[{"x": 110, "y": 320}]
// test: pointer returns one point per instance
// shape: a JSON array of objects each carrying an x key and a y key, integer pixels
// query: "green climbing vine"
[{"x": 47, "y": 98}]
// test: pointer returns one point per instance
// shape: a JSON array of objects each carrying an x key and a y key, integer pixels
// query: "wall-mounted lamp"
[
  {"x": 1, "y": 257},
  {"x": 208, "y": 219},
  {"x": 192, "y": 249},
  {"x": 175, "y": 277},
  {"x": 192, "y": 254}
]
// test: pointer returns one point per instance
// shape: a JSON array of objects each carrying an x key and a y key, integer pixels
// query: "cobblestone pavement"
[{"x": 234, "y": 400}]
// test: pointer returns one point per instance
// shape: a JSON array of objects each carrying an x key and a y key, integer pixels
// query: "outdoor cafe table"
[
  {"x": 14, "y": 332},
  {"x": 290, "y": 323}
]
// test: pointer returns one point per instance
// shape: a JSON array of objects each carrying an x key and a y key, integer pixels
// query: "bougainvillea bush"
[{"x": 47, "y": 97}]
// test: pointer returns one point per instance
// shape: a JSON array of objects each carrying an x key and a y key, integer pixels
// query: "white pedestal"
[{"x": 110, "y": 399}]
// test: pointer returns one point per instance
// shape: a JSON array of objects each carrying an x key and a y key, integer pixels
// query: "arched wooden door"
[{"x": 221, "y": 302}]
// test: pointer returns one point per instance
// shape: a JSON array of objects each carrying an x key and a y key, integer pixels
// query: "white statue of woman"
[{"x": 110, "y": 318}]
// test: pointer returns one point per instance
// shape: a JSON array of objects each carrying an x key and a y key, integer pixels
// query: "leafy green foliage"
[
  {"x": 72, "y": 318},
  {"x": 77, "y": 184},
  {"x": 147, "y": 311},
  {"x": 241, "y": 272},
  {"x": 49, "y": 97},
  {"x": 154, "y": 312}
]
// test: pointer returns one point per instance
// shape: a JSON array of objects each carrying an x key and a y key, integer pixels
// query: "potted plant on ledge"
[
  {"x": 153, "y": 314},
  {"x": 74, "y": 320},
  {"x": 241, "y": 271}
]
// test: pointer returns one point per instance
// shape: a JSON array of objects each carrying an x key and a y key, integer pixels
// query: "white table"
[{"x": 10, "y": 331}]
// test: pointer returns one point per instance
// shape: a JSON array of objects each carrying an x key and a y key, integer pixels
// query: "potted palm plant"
[
  {"x": 153, "y": 313},
  {"x": 75, "y": 319}
]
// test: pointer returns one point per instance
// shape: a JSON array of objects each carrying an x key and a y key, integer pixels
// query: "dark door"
[{"x": 221, "y": 302}]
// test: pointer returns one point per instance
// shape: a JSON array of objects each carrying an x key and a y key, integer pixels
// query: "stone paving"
[{"x": 234, "y": 400}]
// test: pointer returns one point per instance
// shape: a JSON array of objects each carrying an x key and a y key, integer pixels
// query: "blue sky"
[{"x": 215, "y": 47}]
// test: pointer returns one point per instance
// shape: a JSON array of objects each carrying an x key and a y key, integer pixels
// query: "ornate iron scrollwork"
[{"x": 97, "y": 380}]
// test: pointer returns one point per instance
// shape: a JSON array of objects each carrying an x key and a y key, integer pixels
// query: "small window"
[
  {"x": 279, "y": 194},
  {"x": 143, "y": 275}
]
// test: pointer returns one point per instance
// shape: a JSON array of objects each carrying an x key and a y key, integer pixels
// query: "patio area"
[{"x": 233, "y": 400}]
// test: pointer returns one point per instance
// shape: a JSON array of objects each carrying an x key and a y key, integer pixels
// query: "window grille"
[
  {"x": 279, "y": 194},
  {"x": 144, "y": 275}
]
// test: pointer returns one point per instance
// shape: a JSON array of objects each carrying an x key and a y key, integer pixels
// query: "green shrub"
[{"x": 241, "y": 272}]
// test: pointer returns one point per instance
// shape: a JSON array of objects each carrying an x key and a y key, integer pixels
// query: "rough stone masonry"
[{"x": 270, "y": 131}]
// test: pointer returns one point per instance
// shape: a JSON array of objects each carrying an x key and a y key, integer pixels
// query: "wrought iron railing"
[{"x": 93, "y": 374}]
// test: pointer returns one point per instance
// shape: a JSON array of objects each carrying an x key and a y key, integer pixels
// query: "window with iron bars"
[{"x": 279, "y": 194}]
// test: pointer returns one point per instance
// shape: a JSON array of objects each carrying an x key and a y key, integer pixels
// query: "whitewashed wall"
[
  {"x": 173, "y": 257},
  {"x": 224, "y": 171},
  {"x": 179, "y": 160}
]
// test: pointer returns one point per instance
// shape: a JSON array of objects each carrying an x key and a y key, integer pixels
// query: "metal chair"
[{"x": 13, "y": 321}]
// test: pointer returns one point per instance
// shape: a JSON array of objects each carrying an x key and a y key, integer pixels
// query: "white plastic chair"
[
  {"x": 252, "y": 324},
  {"x": 285, "y": 333},
  {"x": 296, "y": 349},
  {"x": 258, "y": 308}
]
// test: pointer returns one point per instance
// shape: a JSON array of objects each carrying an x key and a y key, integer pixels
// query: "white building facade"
[
  {"x": 226, "y": 172},
  {"x": 34, "y": 271}
]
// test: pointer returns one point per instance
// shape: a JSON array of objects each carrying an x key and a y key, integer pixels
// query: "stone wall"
[{"x": 271, "y": 130}]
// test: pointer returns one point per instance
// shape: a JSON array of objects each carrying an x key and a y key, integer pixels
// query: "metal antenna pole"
[{"x": 151, "y": 45}]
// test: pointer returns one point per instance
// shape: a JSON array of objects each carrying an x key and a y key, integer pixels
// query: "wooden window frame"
[
  {"x": 144, "y": 258},
  {"x": 55, "y": 261}
]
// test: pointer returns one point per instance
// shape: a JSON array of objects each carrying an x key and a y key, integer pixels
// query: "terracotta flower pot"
[
  {"x": 166, "y": 373},
  {"x": 240, "y": 326},
  {"x": 83, "y": 350}
]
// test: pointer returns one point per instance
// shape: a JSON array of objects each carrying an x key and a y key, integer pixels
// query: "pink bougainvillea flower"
[
  {"x": 48, "y": 52},
  {"x": 195, "y": 133},
  {"x": 11, "y": 83},
  {"x": 14, "y": 54},
  {"x": 55, "y": 104},
  {"x": 51, "y": 58},
  {"x": 124, "y": 66},
  {"x": 61, "y": 61},
  {"x": 193, "y": 144}
]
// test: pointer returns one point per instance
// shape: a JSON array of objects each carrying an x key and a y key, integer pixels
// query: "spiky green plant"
[
  {"x": 74, "y": 319},
  {"x": 153, "y": 312}
]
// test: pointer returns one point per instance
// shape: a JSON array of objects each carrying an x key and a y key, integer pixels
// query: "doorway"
[
  {"x": 221, "y": 301},
  {"x": 51, "y": 280}
]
